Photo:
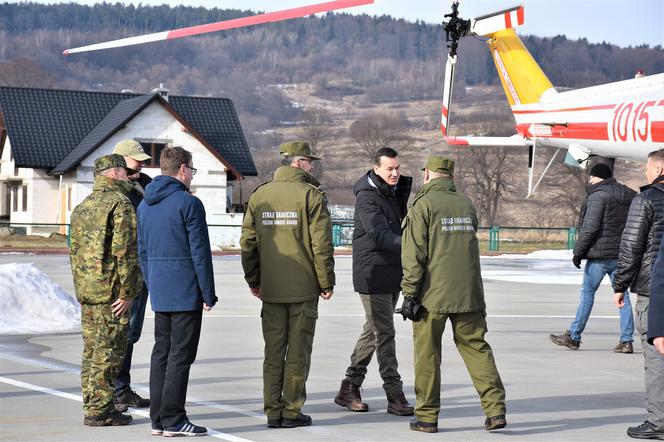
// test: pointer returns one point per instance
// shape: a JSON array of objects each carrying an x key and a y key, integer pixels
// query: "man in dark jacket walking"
[
  {"x": 380, "y": 206},
  {"x": 640, "y": 243},
  {"x": 175, "y": 255},
  {"x": 601, "y": 224},
  {"x": 124, "y": 395}
]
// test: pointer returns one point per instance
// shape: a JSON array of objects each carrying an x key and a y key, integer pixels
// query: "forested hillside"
[{"x": 336, "y": 78}]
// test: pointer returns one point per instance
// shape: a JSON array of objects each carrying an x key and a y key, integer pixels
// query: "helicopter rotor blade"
[
  {"x": 268, "y": 17},
  {"x": 497, "y": 21},
  {"x": 447, "y": 94}
]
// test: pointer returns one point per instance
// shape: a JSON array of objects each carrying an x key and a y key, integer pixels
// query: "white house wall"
[{"x": 155, "y": 122}]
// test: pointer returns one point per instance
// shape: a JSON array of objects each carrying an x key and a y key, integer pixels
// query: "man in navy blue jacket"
[{"x": 176, "y": 260}]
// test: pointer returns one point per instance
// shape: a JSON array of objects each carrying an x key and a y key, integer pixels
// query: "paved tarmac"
[{"x": 553, "y": 394}]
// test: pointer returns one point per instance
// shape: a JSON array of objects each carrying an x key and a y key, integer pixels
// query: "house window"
[
  {"x": 154, "y": 150},
  {"x": 14, "y": 198},
  {"x": 24, "y": 197}
]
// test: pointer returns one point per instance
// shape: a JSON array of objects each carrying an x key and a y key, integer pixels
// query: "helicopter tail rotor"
[{"x": 457, "y": 28}]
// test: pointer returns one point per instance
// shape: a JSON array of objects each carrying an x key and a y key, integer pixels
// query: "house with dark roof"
[{"x": 50, "y": 138}]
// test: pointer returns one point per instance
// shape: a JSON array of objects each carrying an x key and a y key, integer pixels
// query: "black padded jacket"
[
  {"x": 379, "y": 211},
  {"x": 656, "y": 304},
  {"x": 641, "y": 240},
  {"x": 602, "y": 220}
]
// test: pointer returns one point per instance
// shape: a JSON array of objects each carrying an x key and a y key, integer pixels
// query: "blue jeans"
[
  {"x": 136, "y": 317},
  {"x": 593, "y": 274}
]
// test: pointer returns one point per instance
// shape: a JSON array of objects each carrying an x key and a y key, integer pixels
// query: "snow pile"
[
  {"x": 539, "y": 254},
  {"x": 31, "y": 303}
]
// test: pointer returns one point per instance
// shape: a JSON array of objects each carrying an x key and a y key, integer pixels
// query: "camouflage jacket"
[{"x": 104, "y": 253}]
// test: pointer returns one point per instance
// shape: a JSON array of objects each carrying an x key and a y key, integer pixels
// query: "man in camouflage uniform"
[
  {"x": 104, "y": 263},
  {"x": 288, "y": 262},
  {"x": 442, "y": 280}
]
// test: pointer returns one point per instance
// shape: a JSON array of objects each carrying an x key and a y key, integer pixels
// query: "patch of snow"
[
  {"x": 31, "y": 303},
  {"x": 539, "y": 254}
]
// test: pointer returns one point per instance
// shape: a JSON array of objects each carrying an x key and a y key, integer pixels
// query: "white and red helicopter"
[{"x": 623, "y": 120}]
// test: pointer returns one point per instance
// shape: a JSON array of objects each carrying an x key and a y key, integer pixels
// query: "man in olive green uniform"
[
  {"x": 441, "y": 281},
  {"x": 107, "y": 276},
  {"x": 288, "y": 262}
]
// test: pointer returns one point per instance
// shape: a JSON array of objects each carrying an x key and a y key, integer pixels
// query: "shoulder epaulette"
[{"x": 260, "y": 185}]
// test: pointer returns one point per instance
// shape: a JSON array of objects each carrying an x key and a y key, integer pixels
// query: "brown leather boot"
[
  {"x": 397, "y": 404},
  {"x": 349, "y": 397}
]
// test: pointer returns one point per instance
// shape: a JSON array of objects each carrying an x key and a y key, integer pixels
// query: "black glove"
[
  {"x": 576, "y": 260},
  {"x": 412, "y": 309}
]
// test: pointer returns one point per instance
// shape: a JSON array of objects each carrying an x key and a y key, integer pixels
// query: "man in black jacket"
[
  {"x": 639, "y": 246},
  {"x": 656, "y": 307},
  {"x": 601, "y": 223},
  {"x": 124, "y": 396},
  {"x": 381, "y": 203}
]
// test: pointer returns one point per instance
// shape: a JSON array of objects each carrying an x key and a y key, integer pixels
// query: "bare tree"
[
  {"x": 567, "y": 190},
  {"x": 485, "y": 175},
  {"x": 377, "y": 130},
  {"x": 24, "y": 73},
  {"x": 316, "y": 128}
]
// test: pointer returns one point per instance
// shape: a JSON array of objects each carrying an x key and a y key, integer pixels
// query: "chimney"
[{"x": 162, "y": 90}]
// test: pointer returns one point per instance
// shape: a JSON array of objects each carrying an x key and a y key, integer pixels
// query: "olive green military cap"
[
  {"x": 131, "y": 148},
  {"x": 297, "y": 149},
  {"x": 440, "y": 165},
  {"x": 111, "y": 161}
]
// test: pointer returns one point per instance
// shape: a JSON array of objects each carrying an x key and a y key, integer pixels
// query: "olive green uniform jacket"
[
  {"x": 104, "y": 251},
  {"x": 286, "y": 239},
  {"x": 440, "y": 252}
]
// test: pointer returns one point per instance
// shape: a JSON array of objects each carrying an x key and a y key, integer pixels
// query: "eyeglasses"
[{"x": 193, "y": 169}]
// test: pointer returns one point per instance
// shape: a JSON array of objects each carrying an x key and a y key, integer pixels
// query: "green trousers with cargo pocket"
[
  {"x": 288, "y": 332},
  {"x": 469, "y": 330}
]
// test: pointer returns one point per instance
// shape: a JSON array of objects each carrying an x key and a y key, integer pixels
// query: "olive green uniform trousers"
[
  {"x": 469, "y": 330},
  {"x": 104, "y": 346},
  {"x": 288, "y": 332}
]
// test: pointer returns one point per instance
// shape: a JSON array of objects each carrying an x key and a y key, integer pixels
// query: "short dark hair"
[
  {"x": 172, "y": 157},
  {"x": 384, "y": 152},
  {"x": 657, "y": 155}
]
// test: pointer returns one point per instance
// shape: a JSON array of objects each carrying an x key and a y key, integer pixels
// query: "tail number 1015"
[{"x": 631, "y": 121}]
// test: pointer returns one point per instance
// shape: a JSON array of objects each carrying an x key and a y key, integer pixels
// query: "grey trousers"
[
  {"x": 654, "y": 366},
  {"x": 377, "y": 336}
]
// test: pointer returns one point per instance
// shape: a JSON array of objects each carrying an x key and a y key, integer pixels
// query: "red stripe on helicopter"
[
  {"x": 657, "y": 129},
  {"x": 266, "y": 18},
  {"x": 519, "y": 16},
  {"x": 508, "y": 20},
  {"x": 570, "y": 109},
  {"x": 581, "y": 131},
  {"x": 444, "y": 111},
  {"x": 456, "y": 141}
]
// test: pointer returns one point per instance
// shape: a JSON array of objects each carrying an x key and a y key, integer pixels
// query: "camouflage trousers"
[{"x": 104, "y": 346}]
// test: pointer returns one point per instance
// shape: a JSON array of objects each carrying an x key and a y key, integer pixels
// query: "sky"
[{"x": 621, "y": 22}]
